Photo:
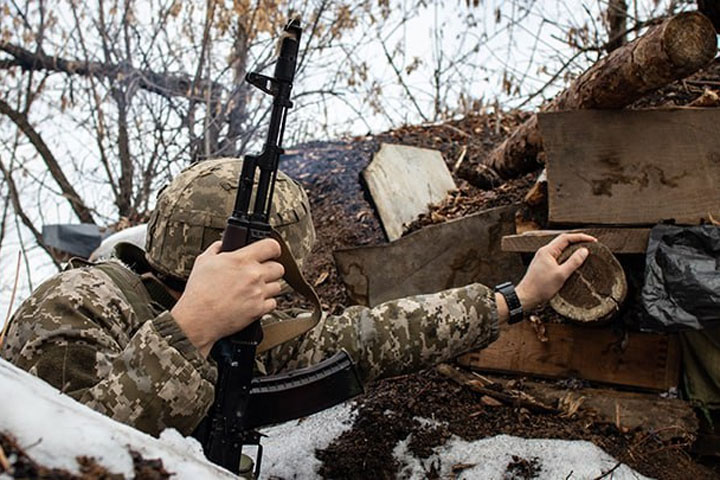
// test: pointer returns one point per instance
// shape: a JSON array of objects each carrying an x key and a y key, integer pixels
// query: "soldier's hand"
[
  {"x": 545, "y": 276},
  {"x": 226, "y": 291}
]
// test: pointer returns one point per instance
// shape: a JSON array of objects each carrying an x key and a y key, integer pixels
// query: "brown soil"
[
  {"x": 17, "y": 464},
  {"x": 387, "y": 413}
]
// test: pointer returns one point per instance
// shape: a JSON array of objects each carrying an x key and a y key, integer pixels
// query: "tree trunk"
[
  {"x": 678, "y": 47},
  {"x": 617, "y": 24}
]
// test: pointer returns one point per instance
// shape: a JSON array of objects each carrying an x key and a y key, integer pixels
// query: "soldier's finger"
[
  {"x": 271, "y": 271},
  {"x": 262, "y": 250},
  {"x": 561, "y": 242},
  {"x": 574, "y": 262},
  {"x": 269, "y": 305},
  {"x": 273, "y": 289},
  {"x": 214, "y": 247}
]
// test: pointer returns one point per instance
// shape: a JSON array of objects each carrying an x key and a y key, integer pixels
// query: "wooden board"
[
  {"x": 618, "y": 240},
  {"x": 435, "y": 258},
  {"x": 633, "y": 167},
  {"x": 403, "y": 181},
  {"x": 669, "y": 417},
  {"x": 643, "y": 360}
]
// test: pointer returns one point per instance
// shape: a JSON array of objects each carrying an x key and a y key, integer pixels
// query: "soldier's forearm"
[{"x": 502, "y": 308}]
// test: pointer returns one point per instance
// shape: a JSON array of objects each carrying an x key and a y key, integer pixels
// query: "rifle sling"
[{"x": 277, "y": 333}]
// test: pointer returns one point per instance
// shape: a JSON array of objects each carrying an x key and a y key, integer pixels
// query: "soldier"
[{"x": 130, "y": 337}]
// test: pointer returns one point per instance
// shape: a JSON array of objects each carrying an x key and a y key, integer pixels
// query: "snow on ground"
[
  {"x": 289, "y": 453},
  {"x": 55, "y": 429},
  {"x": 289, "y": 448},
  {"x": 556, "y": 459}
]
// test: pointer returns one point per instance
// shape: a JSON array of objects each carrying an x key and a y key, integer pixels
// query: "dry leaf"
[
  {"x": 459, "y": 467},
  {"x": 713, "y": 221},
  {"x": 490, "y": 402},
  {"x": 539, "y": 327},
  {"x": 323, "y": 276},
  {"x": 570, "y": 405}
]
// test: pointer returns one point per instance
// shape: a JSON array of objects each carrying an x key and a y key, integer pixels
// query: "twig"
[
  {"x": 4, "y": 462},
  {"x": 12, "y": 300},
  {"x": 552, "y": 79},
  {"x": 460, "y": 159},
  {"x": 714, "y": 83},
  {"x": 608, "y": 472},
  {"x": 514, "y": 398},
  {"x": 455, "y": 129}
]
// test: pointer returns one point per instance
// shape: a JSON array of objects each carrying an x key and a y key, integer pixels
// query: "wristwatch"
[{"x": 507, "y": 290}]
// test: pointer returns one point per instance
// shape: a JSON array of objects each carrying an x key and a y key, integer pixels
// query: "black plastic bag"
[{"x": 682, "y": 278}]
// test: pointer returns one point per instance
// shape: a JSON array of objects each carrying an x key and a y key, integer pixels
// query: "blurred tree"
[{"x": 101, "y": 102}]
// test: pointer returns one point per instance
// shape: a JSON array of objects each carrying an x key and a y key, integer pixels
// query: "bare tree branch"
[
  {"x": 52, "y": 164},
  {"x": 163, "y": 84},
  {"x": 19, "y": 212}
]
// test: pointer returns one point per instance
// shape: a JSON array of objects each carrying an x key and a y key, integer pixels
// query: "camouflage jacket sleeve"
[
  {"x": 79, "y": 333},
  {"x": 398, "y": 336}
]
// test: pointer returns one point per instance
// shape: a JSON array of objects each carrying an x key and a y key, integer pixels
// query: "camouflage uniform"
[{"x": 126, "y": 357}]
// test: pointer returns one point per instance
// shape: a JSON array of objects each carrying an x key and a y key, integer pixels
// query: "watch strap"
[{"x": 515, "y": 310}]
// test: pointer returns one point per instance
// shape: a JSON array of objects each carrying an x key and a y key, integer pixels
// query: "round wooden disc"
[{"x": 595, "y": 291}]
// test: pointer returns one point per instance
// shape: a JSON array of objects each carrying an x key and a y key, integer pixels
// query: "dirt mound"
[{"x": 389, "y": 413}]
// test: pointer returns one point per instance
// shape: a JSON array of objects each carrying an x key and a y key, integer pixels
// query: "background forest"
[{"x": 102, "y": 102}]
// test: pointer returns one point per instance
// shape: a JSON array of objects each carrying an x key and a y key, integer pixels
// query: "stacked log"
[{"x": 670, "y": 51}]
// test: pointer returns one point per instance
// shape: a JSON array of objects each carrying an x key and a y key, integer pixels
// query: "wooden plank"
[
  {"x": 435, "y": 258},
  {"x": 633, "y": 167},
  {"x": 403, "y": 181},
  {"x": 618, "y": 240},
  {"x": 644, "y": 360},
  {"x": 669, "y": 417}
]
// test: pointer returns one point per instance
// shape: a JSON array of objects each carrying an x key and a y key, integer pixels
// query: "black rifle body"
[
  {"x": 243, "y": 403},
  {"x": 224, "y": 431}
]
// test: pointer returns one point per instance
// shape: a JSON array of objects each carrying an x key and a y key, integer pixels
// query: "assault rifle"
[{"x": 241, "y": 402}]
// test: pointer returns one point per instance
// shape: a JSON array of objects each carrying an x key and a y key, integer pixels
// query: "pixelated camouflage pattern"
[
  {"x": 396, "y": 337},
  {"x": 79, "y": 333},
  {"x": 192, "y": 211}
]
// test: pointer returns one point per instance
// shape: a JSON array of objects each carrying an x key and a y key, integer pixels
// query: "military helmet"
[{"x": 192, "y": 211}]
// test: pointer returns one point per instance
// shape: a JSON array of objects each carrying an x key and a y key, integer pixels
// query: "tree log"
[
  {"x": 673, "y": 50},
  {"x": 596, "y": 290}
]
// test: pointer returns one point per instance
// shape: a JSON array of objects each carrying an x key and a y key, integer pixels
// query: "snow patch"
[
  {"x": 289, "y": 448},
  {"x": 557, "y": 459},
  {"x": 54, "y": 429}
]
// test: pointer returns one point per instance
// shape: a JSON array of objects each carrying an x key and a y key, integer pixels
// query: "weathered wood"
[
  {"x": 403, "y": 181},
  {"x": 633, "y": 167},
  {"x": 595, "y": 291},
  {"x": 510, "y": 397},
  {"x": 673, "y": 50},
  {"x": 668, "y": 417},
  {"x": 643, "y": 360},
  {"x": 435, "y": 258},
  {"x": 618, "y": 240}
]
